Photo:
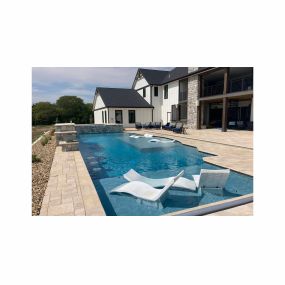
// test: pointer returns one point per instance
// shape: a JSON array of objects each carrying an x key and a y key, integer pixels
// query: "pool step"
[
  {"x": 66, "y": 136},
  {"x": 69, "y": 146}
]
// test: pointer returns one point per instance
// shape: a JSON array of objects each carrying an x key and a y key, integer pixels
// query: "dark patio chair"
[
  {"x": 165, "y": 126},
  {"x": 157, "y": 125},
  {"x": 170, "y": 127},
  {"x": 178, "y": 128},
  {"x": 152, "y": 125},
  {"x": 146, "y": 125},
  {"x": 138, "y": 125}
]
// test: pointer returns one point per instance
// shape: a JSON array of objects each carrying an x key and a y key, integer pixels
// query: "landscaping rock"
[{"x": 40, "y": 172}]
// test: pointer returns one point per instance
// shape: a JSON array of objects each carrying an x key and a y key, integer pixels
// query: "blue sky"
[{"x": 50, "y": 83}]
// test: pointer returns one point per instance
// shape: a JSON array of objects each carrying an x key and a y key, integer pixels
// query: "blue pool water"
[{"x": 109, "y": 156}]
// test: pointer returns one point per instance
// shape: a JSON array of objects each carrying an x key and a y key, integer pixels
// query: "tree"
[
  {"x": 43, "y": 113},
  {"x": 71, "y": 108}
]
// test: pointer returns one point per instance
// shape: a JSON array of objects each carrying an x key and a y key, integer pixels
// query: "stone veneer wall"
[
  {"x": 98, "y": 128},
  {"x": 193, "y": 93}
]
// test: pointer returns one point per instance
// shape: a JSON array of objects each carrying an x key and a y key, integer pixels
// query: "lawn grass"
[{"x": 37, "y": 131}]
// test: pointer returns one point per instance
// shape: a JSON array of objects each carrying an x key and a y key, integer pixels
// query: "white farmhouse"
[{"x": 120, "y": 106}]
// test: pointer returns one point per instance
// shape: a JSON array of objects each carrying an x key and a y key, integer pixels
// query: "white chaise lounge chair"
[
  {"x": 182, "y": 182},
  {"x": 212, "y": 178},
  {"x": 144, "y": 191}
]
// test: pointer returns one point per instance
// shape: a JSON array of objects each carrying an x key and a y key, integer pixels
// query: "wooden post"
[{"x": 225, "y": 100}]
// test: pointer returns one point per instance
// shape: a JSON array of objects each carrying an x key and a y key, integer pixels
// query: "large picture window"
[
  {"x": 166, "y": 92},
  {"x": 132, "y": 116}
]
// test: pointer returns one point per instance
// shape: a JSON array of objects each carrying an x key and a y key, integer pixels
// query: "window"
[
  {"x": 103, "y": 117},
  {"x": 144, "y": 93},
  {"x": 183, "y": 90},
  {"x": 182, "y": 111},
  {"x": 119, "y": 116},
  {"x": 155, "y": 91},
  {"x": 166, "y": 92},
  {"x": 132, "y": 116}
]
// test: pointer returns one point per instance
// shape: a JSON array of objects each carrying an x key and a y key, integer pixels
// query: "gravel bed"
[{"x": 40, "y": 173}]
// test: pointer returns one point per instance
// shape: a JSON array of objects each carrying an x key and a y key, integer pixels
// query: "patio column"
[{"x": 225, "y": 100}]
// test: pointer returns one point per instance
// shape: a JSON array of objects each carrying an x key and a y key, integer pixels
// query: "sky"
[{"x": 50, "y": 83}]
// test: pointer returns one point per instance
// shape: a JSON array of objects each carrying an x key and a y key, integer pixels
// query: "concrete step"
[{"x": 69, "y": 146}]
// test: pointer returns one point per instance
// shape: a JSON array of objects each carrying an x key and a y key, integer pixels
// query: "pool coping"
[{"x": 214, "y": 207}]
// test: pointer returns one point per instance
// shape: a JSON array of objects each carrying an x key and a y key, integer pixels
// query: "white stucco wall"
[
  {"x": 98, "y": 116},
  {"x": 140, "y": 83},
  {"x": 98, "y": 102},
  {"x": 157, "y": 103},
  {"x": 173, "y": 89},
  {"x": 143, "y": 115}
]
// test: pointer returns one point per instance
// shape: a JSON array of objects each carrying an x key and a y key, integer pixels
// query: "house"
[
  {"x": 120, "y": 106},
  {"x": 200, "y": 97}
]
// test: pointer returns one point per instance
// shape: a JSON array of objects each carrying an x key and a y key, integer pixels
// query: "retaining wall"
[{"x": 98, "y": 128}]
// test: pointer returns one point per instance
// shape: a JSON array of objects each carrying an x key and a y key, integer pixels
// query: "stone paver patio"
[{"x": 70, "y": 190}]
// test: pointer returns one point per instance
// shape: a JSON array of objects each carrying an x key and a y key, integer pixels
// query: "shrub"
[
  {"x": 35, "y": 158},
  {"x": 44, "y": 140}
]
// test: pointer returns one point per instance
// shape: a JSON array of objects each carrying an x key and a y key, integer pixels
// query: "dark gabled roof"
[
  {"x": 160, "y": 77},
  {"x": 152, "y": 76},
  {"x": 122, "y": 98},
  {"x": 175, "y": 73}
]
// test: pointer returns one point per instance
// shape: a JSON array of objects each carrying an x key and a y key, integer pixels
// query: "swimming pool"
[{"x": 109, "y": 156}]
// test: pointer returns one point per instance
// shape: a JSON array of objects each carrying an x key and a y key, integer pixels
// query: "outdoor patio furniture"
[
  {"x": 157, "y": 125},
  {"x": 165, "y": 126},
  {"x": 138, "y": 125},
  {"x": 211, "y": 178},
  {"x": 182, "y": 182},
  {"x": 146, "y": 125},
  {"x": 152, "y": 125},
  {"x": 178, "y": 128},
  {"x": 171, "y": 126},
  {"x": 144, "y": 191}
]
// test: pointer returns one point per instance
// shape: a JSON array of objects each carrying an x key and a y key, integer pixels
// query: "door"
[{"x": 119, "y": 116}]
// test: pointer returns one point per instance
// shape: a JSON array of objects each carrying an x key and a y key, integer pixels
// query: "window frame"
[
  {"x": 121, "y": 111},
  {"x": 144, "y": 93},
  {"x": 134, "y": 112},
  {"x": 165, "y": 90},
  {"x": 155, "y": 93}
]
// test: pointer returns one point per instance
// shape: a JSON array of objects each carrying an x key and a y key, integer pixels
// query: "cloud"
[{"x": 49, "y": 83}]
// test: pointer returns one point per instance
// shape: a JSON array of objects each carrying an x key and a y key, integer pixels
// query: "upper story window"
[
  {"x": 166, "y": 92},
  {"x": 156, "y": 91},
  {"x": 144, "y": 94},
  {"x": 183, "y": 90}
]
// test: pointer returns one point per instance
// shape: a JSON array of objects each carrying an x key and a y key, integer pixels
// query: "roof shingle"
[{"x": 122, "y": 98}]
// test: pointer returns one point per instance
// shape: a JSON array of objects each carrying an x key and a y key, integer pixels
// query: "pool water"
[{"x": 109, "y": 156}]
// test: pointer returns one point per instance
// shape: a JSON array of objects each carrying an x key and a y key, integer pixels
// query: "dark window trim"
[
  {"x": 122, "y": 116},
  {"x": 165, "y": 96},
  {"x": 155, "y": 91},
  {"x": 134, "y": 111}
]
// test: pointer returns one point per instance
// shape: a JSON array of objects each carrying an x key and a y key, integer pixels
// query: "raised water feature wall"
[{"x": 98, "y": 128}]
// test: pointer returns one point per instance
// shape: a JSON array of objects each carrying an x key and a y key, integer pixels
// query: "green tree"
[
  {"x": 44, "y": 113},
  {"x": 71, "y": 108}
]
